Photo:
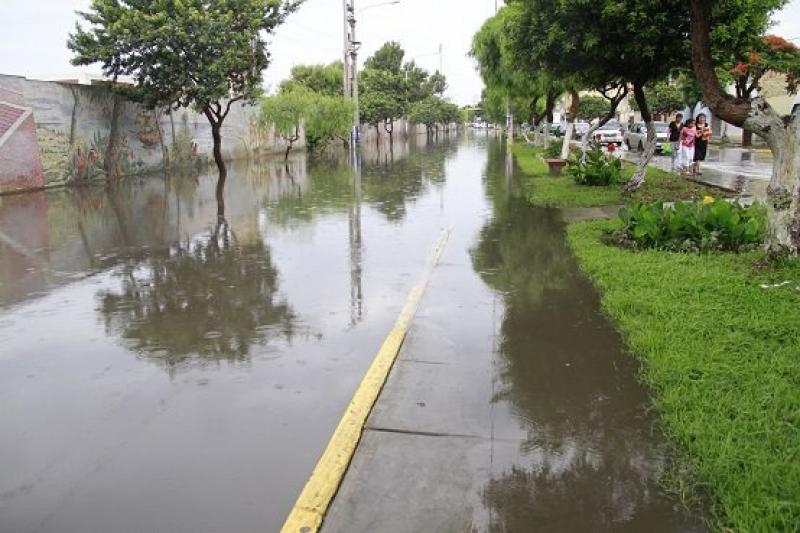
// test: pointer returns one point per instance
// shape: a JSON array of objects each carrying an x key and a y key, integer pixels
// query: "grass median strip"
[
  {"x": 720, "y": 344},
  {"x": 547, "y": 191},
  {"x": 309, "y": 511}
]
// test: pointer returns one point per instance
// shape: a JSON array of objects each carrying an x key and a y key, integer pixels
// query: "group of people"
[{"x": 689, "y": 143}]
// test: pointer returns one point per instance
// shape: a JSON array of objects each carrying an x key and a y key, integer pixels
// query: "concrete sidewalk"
[
  {"x": 513, "y": 405},
  {"x": 737, "y": 170}
]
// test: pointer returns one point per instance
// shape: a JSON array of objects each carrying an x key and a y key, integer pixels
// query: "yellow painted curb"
[{"x": 312, "y": 504}]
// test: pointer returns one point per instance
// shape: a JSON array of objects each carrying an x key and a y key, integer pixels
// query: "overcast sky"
[{"x": 34, "y": 33}]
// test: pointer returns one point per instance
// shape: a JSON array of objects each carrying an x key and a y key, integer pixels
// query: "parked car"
[
  {"x": 580, "y": 129},
  {"x": 555, "y": 129},
  {"x": 636, "y": 138},
  {"x": 609, "y": 133}
]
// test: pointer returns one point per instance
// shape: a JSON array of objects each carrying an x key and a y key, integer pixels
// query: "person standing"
[
  {"x": 688, "y": 137},
  {"x": 675, "y": 137},
  {"x": 701, "y": 142}
]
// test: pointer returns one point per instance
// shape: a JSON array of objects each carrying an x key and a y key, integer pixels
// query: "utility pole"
[
  {"x": 346, "y": 58},
  {"x": 441, "y": 63},
  {"x": 351, "y": 63}
]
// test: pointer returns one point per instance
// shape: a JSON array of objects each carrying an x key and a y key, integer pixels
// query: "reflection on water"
[
  {"x": 590, "y": 459},
  {"x": 165, "y": 370},
  {"x": 211, "y": 297}
]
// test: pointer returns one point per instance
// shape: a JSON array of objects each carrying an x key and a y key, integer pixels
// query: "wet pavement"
[
  {"x": 741, "y": 170},
  {"x": 162, "y": 371}
]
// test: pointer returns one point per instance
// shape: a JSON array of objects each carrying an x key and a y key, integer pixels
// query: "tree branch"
[{"x": 732, "y": 110}]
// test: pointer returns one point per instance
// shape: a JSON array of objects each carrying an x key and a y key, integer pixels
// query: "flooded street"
[{"x": 161, "y": 370}]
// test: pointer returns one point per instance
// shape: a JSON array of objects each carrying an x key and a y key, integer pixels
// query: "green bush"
[
  {"x": 692, "y": 226},
  {"x": 599, "y": 169},
  {"x": 553, "y": 151}
]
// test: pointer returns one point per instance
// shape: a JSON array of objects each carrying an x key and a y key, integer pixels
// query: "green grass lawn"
[
  {"x": 547, "y": 191},
  {"x": 722, "y": 357}
]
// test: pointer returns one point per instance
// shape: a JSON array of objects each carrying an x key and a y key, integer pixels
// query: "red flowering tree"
[{"x": 772, "y": 54}]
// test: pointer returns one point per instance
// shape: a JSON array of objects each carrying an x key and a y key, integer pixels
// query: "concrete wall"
[{"x": 67, "y": 130}]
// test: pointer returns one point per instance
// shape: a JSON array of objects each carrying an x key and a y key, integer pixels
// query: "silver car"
[{"x": 636, "y": 137}]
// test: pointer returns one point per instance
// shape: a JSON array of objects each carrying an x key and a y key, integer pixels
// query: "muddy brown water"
[{"x": 161, "y": 370}]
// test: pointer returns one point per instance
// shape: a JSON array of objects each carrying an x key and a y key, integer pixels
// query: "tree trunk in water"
[
  {"x": 572, "y": 112},
  {"x": 111, "y": 158},
  {"x": 223, "y": 170},
  {"x": 164, "y": 149},
  {"x": 747, "y": 138},
  {"x": 637, "y": 179}
]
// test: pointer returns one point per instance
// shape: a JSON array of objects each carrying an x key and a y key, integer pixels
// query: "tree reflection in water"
[
  {"x": 591, "y": 456},
  {"x": 210, "y": 298}
]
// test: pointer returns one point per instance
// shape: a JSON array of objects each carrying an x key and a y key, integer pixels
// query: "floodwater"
[{"x": 161, "y": 370}]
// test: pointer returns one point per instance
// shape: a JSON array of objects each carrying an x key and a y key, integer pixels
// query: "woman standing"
[
  {"x": 701, "y": 142},
  {"x": 686, "y": 156}
]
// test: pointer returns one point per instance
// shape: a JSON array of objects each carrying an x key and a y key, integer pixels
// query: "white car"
[
  {"x": 636, "y": 137},
  {"x": 609, "y": 133}
]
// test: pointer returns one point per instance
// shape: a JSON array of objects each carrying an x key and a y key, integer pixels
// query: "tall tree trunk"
[
  {"x": 747, "y": 138},
  {"x": 111, "y": 157},
  {"x": 637, "y": 179},
  {"x": 572, "y": 113},
  {"x": 164, "y": 149},
  {"x": 174, "y": 146},
  {"x": 222, "y": 169},
  {"x": 755, "y": 115}
]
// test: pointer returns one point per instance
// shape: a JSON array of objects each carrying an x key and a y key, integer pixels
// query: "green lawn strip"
[
  {"x": 722, "y": 357},
  {"x": 546, "y": 191}
]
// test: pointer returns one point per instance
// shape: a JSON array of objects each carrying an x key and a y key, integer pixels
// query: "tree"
[
  {"x": 183, "y": 53},
  {"x": 436, "y": 84},
  {"x": 285, "y": 111},
  {"x": 432, "y": 112},
  {"x": 388, "y": 57},
  {"x": 415, "y": 82},
  {"x": 322, "y": 117},
  {"x": 388, "y": 87},
  {"x": 528, "y": 90},
  {"x": 663, "y": 98},
  {"x": 322, "y": 79},
  {"x": 328, "y": 118},
  {"x": 384, "y": 94},
  {"x": 752, "y": 113},
  {"x": 607, "y": 46},
  {"x": 592, "y": 107}
]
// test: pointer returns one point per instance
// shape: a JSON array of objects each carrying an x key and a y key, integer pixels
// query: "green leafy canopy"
[{"x": 182, "y": 52}]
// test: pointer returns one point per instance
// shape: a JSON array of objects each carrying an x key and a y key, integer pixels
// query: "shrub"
[
  {"x": 553, "y": 151},
  {"x": 692, "y": 226},
  {"x": 599, "y": 169}
]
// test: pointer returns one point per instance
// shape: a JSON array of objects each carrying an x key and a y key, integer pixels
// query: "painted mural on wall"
[{"x": 58, "y": 133}]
